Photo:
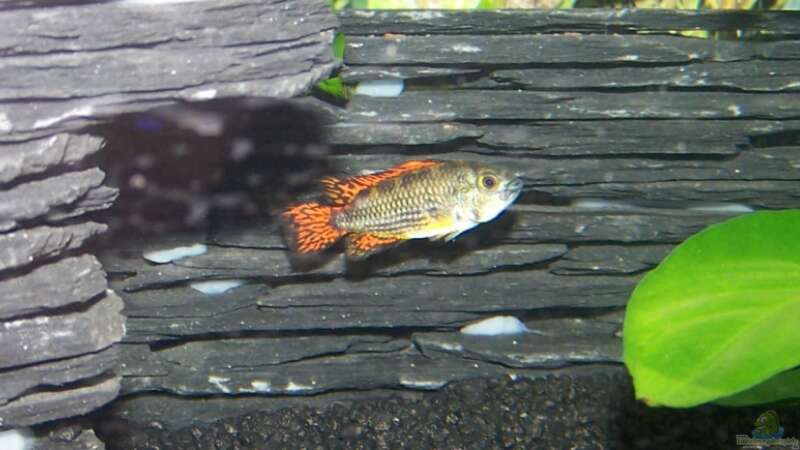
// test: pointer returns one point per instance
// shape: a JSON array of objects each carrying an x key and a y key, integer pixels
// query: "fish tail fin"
[
  {"x": 361, "y": 245},
  {"x": 310, "y": 227}
]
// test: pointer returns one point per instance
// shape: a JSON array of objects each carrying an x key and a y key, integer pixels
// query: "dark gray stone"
[
  {"x": 637, "y": 225},
  {"x": 526, "y": 350},
  {"x": 443, "y": 106},
  {"x": 274, "y": 265},
  {"x": 418, "y": 301},
  {"x": 19, "y": 381},
  {"x": 69, "y": 333},
  {"x": 731, "y": 75},
  {"x": 191, "y": 375},
  {"x": 361, "y": 73},
  {"x": 588, "y": 20},
  {"x": 617, "y": 137},
  {"x": 36, "y": 156},
  {"x": 609, "y": 259},
  {"x": 44, "y": 406},
  {"x": 55, "y": 198},
  {"x": 67, "y": 281},
  {"x": 400, "y": 134},
  {"x": 196, "y": 51},
  {"x": 764, "y": 193},
  {"x": 24, "y": 247},
  {"x": 568, "y": 48}
]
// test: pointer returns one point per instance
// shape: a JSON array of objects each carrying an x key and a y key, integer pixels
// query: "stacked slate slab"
[
  {"x": 65, "y": 69},
  {"x": 630, "y": 137}
]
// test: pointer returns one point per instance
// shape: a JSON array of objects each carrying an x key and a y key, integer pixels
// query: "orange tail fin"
[{"x": 310, "y": 227}]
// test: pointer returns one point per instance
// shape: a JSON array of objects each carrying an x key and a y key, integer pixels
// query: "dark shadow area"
[{"x": 193, "y": 166}]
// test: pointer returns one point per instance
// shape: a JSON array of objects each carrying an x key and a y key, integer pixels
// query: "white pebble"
[
  {"x": 16, "y": 439},
  {"x": 723, "y": 208},
  {"x": 215, "y": 287},
  {"x": 174, "y": 254},
  {"x": 496, "y": 326},
  {"x": 389, "y": 87}
]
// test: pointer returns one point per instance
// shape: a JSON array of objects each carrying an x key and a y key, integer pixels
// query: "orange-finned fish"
[{"x": 417, "y": 199}]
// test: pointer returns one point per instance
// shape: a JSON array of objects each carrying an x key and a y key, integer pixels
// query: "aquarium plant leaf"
[
  {"x": 338, "y": 46},
  {"x": 334, "y": 87},
  {"x": 784, "y": 386},
  {"x": 720, "y": 314}
]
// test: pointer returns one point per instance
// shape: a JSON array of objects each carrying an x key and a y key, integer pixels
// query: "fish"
[{"x": 416, "y": 199}]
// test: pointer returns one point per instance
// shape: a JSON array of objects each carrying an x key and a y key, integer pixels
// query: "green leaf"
[
  {"x": 720, "y": 314},
  {"x": 338, "y": 46},
  {"x": 784, "y": 386},
  {"x": 335, "y": 87}
]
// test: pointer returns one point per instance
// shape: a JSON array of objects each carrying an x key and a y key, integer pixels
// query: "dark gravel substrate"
[{"x": 587, "y": 412}]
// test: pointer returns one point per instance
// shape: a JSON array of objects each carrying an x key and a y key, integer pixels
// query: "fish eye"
[{"x": 489, "y": 182}]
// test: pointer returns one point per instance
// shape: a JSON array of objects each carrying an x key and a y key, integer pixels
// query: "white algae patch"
[
  {"x": 390, "y": 87},
  {"x": 601, "y": 204},
  {"x": 16, "y": 439},
  {"x": 422, "y": 384},
  {"x": 496, "y": 326},
  {"x": 291, "y": 386},
  {"x": 219, "y": 382},
  {"x": 723, "y": 208},
  {"x": 174, "y": 254},
  {"x": 215, "y": 287},
  {"x": 463, "y": 48},
  {"x": 261, "y": 385}
]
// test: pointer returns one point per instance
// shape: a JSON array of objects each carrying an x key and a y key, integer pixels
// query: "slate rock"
[
  {"x": 196, "y": 51},
  {"x": 38, "y": 155},
  {"x": 66, "y": 281},
  {"x": 610, "y": 259},
  {"x": 582, "y": 20},
  {"x": 23, "y": 247},
  {"x": 44, "y": 406},
  {"x": 19, "y": 381},
  {"x": 71, "y": 332},
  {"x": 544, "y": 49},
  {"x": 55, "y": 198},
  {"x": 396, "y": 134},
  {"x": 468, "y": 105}
]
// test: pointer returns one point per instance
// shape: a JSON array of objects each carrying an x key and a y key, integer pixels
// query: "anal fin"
[{"x": 361, "y": 245}]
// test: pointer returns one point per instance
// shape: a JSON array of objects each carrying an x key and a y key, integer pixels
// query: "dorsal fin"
[{"x": 342, "y": 192}]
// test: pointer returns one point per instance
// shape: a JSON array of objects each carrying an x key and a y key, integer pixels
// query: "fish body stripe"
[{"x": 398, "y": 206}]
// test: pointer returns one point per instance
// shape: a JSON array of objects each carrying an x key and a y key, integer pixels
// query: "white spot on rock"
[
  {"x": 219, "y": 382},
  {"x": 422, "y": 384},
  {"x": 390, "y": 87},
  {"x": 5, "y": 124},
  {"x": 205, "y": 94},
  {"x": 463, "y": 48},
  {"x": 16, "y": 439},
  {"x": 174, "y": 254},
  {"x": 215, "y": 287},
  {"x": 261, "y": 385},
  {"x": 734, "y": 208},
  {"x": 291, "y": 386},
  {"x": 496, "y": 326}
]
